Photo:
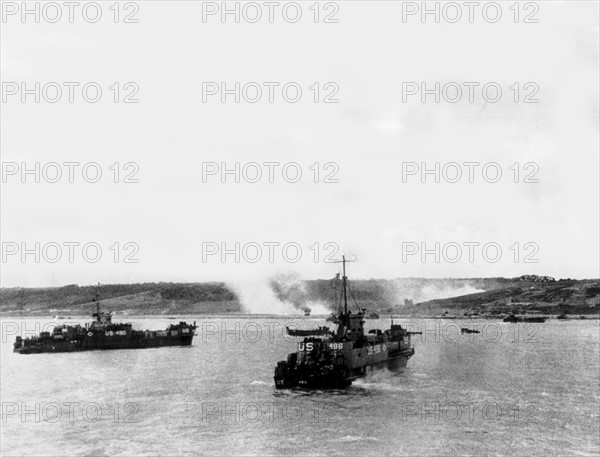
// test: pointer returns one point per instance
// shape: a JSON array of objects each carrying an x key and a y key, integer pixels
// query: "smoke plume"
[{"x": 280, "y": 295}]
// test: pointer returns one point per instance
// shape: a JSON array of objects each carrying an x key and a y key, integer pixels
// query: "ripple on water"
[{"x": 179, "y": 393}]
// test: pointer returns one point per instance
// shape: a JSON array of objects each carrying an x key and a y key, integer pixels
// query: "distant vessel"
[
  {"x": 103, "y": 334},
  {"x": 468, "y": 330},
  {"x": 514, "y": 319},
  {"x": 340, "y": 357},
  {"x": 373, "y": 315},
  {"x": 534, "y": 319}
]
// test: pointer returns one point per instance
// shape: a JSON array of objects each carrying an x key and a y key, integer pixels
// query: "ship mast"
[
  {"x": 344, "y": 280},
  {"x": 97, "y": 303}
]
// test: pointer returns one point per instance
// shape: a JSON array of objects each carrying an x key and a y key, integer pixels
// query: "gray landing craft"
[
  {"x": 104, "y": 334},
  {"x": 340, "y": 357}
]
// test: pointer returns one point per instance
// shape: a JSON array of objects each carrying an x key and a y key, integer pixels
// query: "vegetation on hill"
[
  {"x": 409, "y": 296},
  {"x": 559, "y": 297}
]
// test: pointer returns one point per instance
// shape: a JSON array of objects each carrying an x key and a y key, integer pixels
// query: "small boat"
[
  {"x": 468, "y": 330},
  {"x": 332, "y": 318},
  {"x": 373, "y": 315},
  {"x": 310, "y": 332}
]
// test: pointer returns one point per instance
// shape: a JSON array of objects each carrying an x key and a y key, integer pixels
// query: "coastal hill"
[
  {"x": 548, "y": 298},
  {"x": 402, "y": 296}
]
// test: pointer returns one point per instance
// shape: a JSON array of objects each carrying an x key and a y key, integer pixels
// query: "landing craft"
[
  {"x": 349, "y": 353},
  {"x": 104, "y": 334}
]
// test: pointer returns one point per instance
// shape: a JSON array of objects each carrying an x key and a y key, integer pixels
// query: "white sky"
[{"x": 369, "y": 53}]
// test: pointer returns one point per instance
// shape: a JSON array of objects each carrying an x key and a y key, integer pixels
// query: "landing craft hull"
[
  {"x": 309, "y": 381},
  {"x": 513, "y": 319},
  {"x": 104, "y": 341},
  {"x": 338, "y": 379},
  {"x": 90, "y": 345}
]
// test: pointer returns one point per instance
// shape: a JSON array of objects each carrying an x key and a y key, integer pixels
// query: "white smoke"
[
  {"x": 287, "y": 295},
  {"x": 280, "y": 295},
  {"x": 257, "y": 297},
  {"x": 432, "y": 292}
]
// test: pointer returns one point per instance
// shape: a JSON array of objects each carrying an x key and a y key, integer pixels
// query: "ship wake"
[{"x": 381, "y": 380}]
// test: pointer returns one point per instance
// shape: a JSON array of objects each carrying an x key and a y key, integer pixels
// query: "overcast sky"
[{"x": 368, "y": 136}]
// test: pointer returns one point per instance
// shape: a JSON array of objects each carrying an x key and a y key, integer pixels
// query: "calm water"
[{"x": 514, "y": 389}]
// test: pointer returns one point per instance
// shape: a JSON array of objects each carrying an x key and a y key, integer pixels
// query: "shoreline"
[{"x": 575, "y": 317}]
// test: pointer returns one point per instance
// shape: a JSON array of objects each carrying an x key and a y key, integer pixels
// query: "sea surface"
[{"x": 511, "y": 390}]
